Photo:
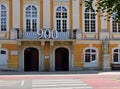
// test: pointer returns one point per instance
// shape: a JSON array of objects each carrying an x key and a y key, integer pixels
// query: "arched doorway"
[
  {"x": 31, "y": 59},
  {"x": 61, "y": 59}
]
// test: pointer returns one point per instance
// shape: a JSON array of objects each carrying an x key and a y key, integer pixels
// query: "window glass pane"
[
  {"x": 3, "y": 18},
  {"x": 64, "y": 9},
  {"x": 93, "y": 50},
  {"x": 86, "y": 25},
  {"x": 86, "y": 15},
  {"x": 115, "y": 58},
  {"x": 87, "y": 57},
  {"x": 93, "y": 57},
  {"x": 28, "y": 25},
  {"x": 116, "y": 50},
  {"x": 34, "y": 25},
  {"x": 64, "y": 25},
  {"x": 3, "y": 52},
  {"x": 88, "y": 50},
  {"x": 58, "y": 25}
]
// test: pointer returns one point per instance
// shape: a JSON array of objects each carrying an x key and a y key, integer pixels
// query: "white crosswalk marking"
[{"x": 59, "y": 84}]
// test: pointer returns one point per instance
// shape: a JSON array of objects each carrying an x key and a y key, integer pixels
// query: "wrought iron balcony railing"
[{"x": 44, "y": 34}]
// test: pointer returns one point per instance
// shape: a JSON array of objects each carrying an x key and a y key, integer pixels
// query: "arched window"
[
  {"x": 31, "y": 16},
  {"x": 3, "y": 18},
  {"x": 90, "y": 55},
  {"x": 3, "y": 58},
  {"x": 61, "y": 19},
  {"x": 89, "y": 20},
  {"x": 115, "y": 26},
  {"x": 116, "y": 56}
]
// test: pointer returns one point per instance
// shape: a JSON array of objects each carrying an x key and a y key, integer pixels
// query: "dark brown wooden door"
[
  {"x": 31, "y": 59},
  {"x": 61, "y": 59}
]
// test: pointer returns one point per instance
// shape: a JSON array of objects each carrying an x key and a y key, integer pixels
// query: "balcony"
[{"x": 44, "y": 34}]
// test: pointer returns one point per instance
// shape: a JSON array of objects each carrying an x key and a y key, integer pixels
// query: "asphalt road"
[{"x": 60, "y": 80}]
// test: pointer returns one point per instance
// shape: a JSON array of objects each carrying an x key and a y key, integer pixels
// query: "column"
[
  {"x": 46, "y": 13},
  {"x": 104, "y": 33},
  {"x": 20, "y": 63},
  {"x": 42, "y": 55},
  {"x": 16, "y": 13},
  {"x": 51, "y": 56},
  {"x": 106, "y": 55},
  {"x": 72, "y": 56},
  {"x": 76, "y": 14}
]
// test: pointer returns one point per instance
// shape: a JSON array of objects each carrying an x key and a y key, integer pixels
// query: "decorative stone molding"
[
  {"x": 35, "y": 2},
  {"x": 62, "y": 43},
  {"x": 26, "y": 43},
  {"x": 4, "y": 1},
  {"x": 61, "y": 2}
]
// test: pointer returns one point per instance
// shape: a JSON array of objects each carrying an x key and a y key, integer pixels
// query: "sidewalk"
[{"x": 61, "y": 73}]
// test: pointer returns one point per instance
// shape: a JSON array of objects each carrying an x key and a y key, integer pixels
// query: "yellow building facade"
[{"x": 56, "y": 35}]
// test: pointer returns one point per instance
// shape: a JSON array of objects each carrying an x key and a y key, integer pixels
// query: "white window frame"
[
  {"x": 55, "y": 19},
  {"x": 7, "y": 26},
  {"x": 91, "y": 54},
  {"x": 38, "y": 17},
  {"x": 96, "y": 21},
  {"x": 118, "y": 56},
  {"x": 111, "y": 26}
]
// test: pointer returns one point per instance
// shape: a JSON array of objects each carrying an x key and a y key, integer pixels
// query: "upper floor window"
[
  {"x": 89, "y": 20},
  {"x": 31, "y": 18},
  {"x": 115, "y": 26},
  {"x": 116, "y": 55},
  {"x": 61, "y": 19},
  {"x": 3, "y": 18},
  {"x": 90, "y": 55}
]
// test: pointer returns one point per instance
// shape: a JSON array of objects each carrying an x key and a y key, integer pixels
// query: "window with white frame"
[
  {"x": 31, "y": 18},
  {"x": 115, "y": 26},
  {"x": 89, "y": 20},
  {"x": 3, "y": 18},
  {"x": 90, "y": 55},
  {"x": 61, "y": 19},
  {"x": 116, "y": 56}
]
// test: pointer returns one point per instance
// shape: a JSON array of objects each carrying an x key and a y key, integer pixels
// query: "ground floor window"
[
  {"x": 90, "y": 57},
  {"x": 116, "y": 56}
]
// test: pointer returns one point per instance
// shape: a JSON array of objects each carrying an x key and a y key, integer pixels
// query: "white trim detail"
[
  {"x": 91, "y": 63},
  {"x": 31, "y": 33},
  {"x": 118, "y": 48},
  {"x": 83, "y": 19}
]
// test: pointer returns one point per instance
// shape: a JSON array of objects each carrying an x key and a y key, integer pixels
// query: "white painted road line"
[
  {"x": 60, "y": 84},
  {"x": 22, "y": 82}
]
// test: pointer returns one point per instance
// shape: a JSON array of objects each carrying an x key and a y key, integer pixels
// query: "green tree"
[{"x": 109, "y": 6}]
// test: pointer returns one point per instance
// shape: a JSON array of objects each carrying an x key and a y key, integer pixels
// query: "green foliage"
[{"x": 109, "y": 6}]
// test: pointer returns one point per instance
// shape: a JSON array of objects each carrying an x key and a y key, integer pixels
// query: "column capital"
[
  {"x": 42, "y": 43},
  {"x": 51, "y": 43},
  {"x": 19, "y": 43}
]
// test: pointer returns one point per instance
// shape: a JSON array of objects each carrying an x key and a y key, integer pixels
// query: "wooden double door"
[
  {"x": 31, "y": 59},
  {"x": 61, "y": 59}
]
